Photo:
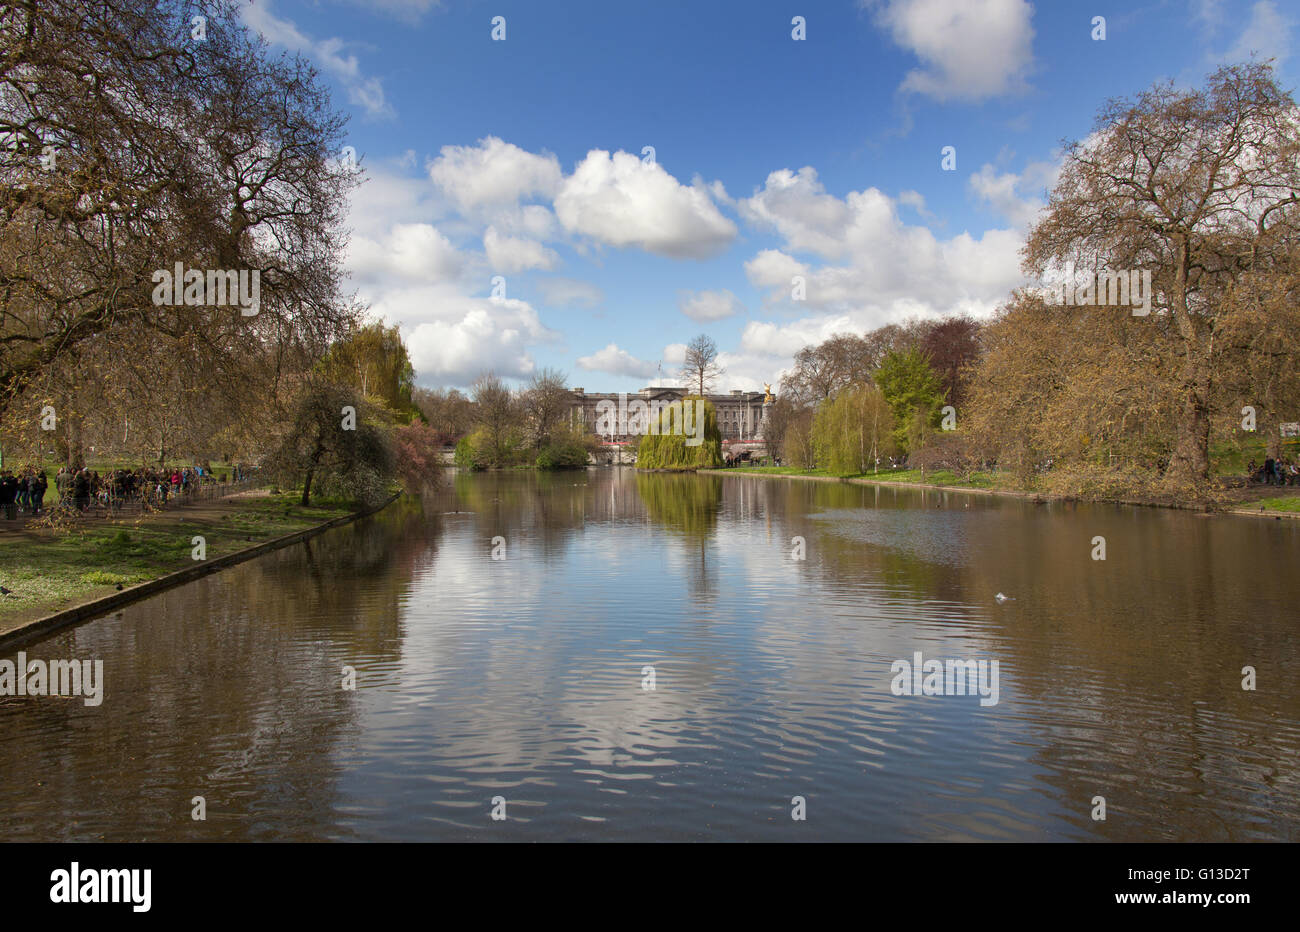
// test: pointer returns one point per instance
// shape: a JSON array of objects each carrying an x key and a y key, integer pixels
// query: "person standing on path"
[
  {"x": 41, "y": 485},
  {"x": 8, "y": 495},
  {"x": 81, "y": 490}
]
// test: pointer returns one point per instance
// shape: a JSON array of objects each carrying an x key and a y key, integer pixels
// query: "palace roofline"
[{"x": 651, "y": 391}]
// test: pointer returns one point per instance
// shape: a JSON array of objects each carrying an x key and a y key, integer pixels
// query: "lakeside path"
[
  {"x": 61, "y": 577},
  {"x": 1251, "y": 494}
]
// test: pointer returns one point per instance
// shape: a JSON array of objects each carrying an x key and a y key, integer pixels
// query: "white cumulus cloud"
[
  {"x": 408, "y": 253},
  {"x": 1016, "y": 197},
  {"x": 452, "y": 338},
  {"x": 969, "y": 49},
  {"x": 493, "y": 173},
  {"x": 874, "y": 267},
  {"x": 618, "y": 200},
  {"x": 798, "y": 207},
  {"x": 706, "y": 306},
  {"x": 513, "y": 254},
  {"x": 615, "y": 361}
]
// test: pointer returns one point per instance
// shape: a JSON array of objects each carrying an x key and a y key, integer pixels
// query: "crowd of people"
[
  {"x": 78, "y": 488},
  {"x": 1275, "y": 472},
  {"x": 25, "y": 491}
]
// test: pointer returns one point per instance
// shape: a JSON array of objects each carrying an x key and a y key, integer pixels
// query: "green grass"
[
  {"x": 785, "y": 471},
  {"x": 100, "y": 578},
  {"x": 974, "y": 480},
  {"x": 59, "y": 569},
  {"x": 1290, "y": 504},
  {"x": 977, "y": 480},
  {"x": 1232, "y": 457}
]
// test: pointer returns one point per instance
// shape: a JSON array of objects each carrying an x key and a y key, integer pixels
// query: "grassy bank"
[
  {"x": 976, "y": 480},
  {"x": 1232, "y": 458},
  {"x": 1228, "y": 459},
  {"x": 49, "y": 570},
  {"x": 1287, "y": 503},
  {"x": 1254, "y": 498}
]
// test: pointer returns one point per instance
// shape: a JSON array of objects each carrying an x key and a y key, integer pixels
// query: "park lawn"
[
  {"x": 785, "y": 471},
  {"x": 52, "y": 570},
  {"x": 1287, "y": 503},
  {"x": 1232, "y": 458},
  {"x": 976, "y": 480}
]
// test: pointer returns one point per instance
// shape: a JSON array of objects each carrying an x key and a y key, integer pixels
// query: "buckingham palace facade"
[{"x": 740, "y": 413}]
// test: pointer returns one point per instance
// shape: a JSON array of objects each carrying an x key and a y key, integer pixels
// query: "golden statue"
[{"x": 767, "y": 393}]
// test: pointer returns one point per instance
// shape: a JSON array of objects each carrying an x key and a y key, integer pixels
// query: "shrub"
[
  {"x": 419, "y": 454},
  {"x": 466, "y": 456},
  {"x": 562, "y": 456}
]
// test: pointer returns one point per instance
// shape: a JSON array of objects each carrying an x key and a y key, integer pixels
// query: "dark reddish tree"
[{"x": 952, "y": 345}]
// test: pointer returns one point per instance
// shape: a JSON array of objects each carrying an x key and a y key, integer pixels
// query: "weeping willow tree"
[
  {"x": 684, "y": 435},
  {"x": 853, "y": 430}
]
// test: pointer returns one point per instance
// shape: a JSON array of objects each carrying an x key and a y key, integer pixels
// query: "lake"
[{"x": 615, "y": 656}]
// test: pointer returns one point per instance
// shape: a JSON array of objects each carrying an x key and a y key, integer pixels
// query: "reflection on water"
[{"x": 522, "y": 677}]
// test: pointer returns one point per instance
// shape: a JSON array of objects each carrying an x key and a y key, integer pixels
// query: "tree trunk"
[
  {"x": 1270, "y": 423},
  {"x": 1190, "y": 463},
  {"x": 306, "y": 488},
  {"x": 76, "y": 456},
  {"x": 1191, "y": 459}
]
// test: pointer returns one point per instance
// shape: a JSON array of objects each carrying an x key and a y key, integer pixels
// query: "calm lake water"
[{"x": 522, "y": 677}]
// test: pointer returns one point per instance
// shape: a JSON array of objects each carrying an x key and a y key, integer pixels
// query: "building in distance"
[{"x": 741, "y": 414}]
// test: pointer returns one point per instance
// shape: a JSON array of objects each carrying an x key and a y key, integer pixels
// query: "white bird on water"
[{"x": 1003, "y": 598}]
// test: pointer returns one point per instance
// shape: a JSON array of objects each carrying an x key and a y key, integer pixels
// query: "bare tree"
[
  {"x": 546, "y": 404},
  {"x": 448, "y": 411},
  {"x": 497, "y": 411},
  {"x": 134, "y": 150},
  {"x": 1198, "y": 187},
  {"x": 821, "y": 370},
  {"x": 780, "y": 416},
  {"x": 700, "y": 368}
]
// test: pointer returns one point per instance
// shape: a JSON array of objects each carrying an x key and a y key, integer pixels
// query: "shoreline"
[
  {"x": 1237, "y": 508},
  {"x": 893, "y": 483},
  {"x": 24, "y": 632}
]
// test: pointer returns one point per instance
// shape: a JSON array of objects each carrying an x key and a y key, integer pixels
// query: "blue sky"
[{"x": 774, "y": 158}]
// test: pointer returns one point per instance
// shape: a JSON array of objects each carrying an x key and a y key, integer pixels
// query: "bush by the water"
[
  {"x": 562, "y": 456},
  {"x": 466, "y": 456},
  {"x": 565, "y": 447}
]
